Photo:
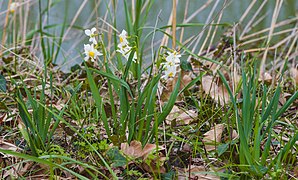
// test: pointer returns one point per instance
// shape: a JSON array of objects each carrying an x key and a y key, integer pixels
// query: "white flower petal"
[
  {"x": 93, "y": 30},
  {"x": 88, "y": 32}
]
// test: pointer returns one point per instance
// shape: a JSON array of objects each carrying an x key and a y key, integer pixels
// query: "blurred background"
[{"x": 82, "y": 14}]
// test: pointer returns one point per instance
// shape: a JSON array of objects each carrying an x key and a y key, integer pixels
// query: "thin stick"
[{"x": 174, "y": 24}]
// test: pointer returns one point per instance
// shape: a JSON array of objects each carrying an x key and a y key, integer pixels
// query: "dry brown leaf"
[
  {"x": 266, "y": 77},
  {"x": 154, "y": 168},
  {"x": 235, "y": 135},
  {"x": 181, "y": 117},
  {"x": 135, "y": 149},
  {"x": 294, "y": 75},
  {"x": 215, "y": 89},
  {"x": 186, "y": 79},
  {"x": 195, "y": 172},
  {"x": 213, "y": 136},
  {"x": 187, "y": 117}
]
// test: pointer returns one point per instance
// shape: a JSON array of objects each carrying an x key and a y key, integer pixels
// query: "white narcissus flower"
[
  {"x": 91, "y": 34},
  {"x": 169, "y": 71},
  {"x": 90, "y": 52},
  {"x": 123, "y": 38},
  {"x": 173, "y": 57},
  {"x": 125, "y": 51},
  {"x": 124, "y": 48},
  {"x": 171, "y": 64},
  {"x": 13, "y": 6}
]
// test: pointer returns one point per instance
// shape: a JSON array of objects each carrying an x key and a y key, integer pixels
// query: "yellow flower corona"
[{"x": 91, "y": 54}]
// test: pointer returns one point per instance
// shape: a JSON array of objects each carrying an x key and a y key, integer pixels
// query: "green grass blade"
[{"x": 98, "y": 101}]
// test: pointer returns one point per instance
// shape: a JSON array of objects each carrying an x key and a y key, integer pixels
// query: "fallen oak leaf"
[
  {"x": 215, "y": 89},
  {"x": 213, "y": 137},
  {"x": 151, "y": 163},
  {"x": 180, "y": 116},
  {"x": 135, "y": 149}
]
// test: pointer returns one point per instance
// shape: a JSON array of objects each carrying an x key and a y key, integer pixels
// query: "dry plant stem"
[
  {"x": 74, "y": 19},
  {"x": 20, "y": 13},
  {"x": 174, "y": 10},
  {"x": 165, "y": 38},
  {"x": 204, "y": 28},
  {"x": 110, "y": 30},
  {"x": 145, "y": 6},
  {"x": 184, "y": 19},
  {"x": 215, "y": 28},
  {"x": 194, "y": 38},
  {"x": 75, "y": 44},
  {"x": 288, "y": 53},
  {"x": 152, "y": 44},
  {"x": 253, "y": 19},
  {"x": 206, "y": 39},
  {"x": 198, "y": 11},
  {"x": 4, "y": 27},
  {"x": 258, "y": 21},
  {"x": 282, "y": 23},
  {"x": 277, "y": 8},
  {"x": 264, "y": 37},
  {"x": 26, "y": 15},
  {"x": 286, "y": 39},
  {"x": 247, "y": 11},
  {"x": 285, "y": 47},
  {"x": 174, "y": 24}
]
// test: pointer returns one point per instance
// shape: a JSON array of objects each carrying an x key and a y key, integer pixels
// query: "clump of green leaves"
[{"x": 255, "y": 127}]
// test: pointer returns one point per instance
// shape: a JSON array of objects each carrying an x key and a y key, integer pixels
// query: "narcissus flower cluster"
[
  {"x": 124, "y": 48},
  {"x": 90, "y": 50},
  {"x": 171, "y": 64},
  {"x": 13, "y": 6},
  {"x": 169, "y": 67}
]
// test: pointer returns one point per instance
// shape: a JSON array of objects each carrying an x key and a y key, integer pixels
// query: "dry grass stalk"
[{"x": 4, "y": 27}]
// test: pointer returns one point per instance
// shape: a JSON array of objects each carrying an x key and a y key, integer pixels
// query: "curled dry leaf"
[
  {"x": 235, "y": 135},
  {"x": 215, "y": 89},
  {"x": 213, "y": 137},
  {"x": 266, "y": 77},
  {"x": 181, "y": 117}
]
